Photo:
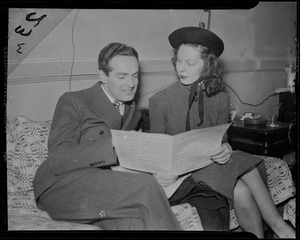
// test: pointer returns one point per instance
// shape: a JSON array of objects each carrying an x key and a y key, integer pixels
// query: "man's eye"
[{"x": 122, "y": 77}]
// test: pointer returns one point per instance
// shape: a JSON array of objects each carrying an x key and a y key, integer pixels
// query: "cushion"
[
  {"x": 20, "y": 203},
  {"x": 187, "y": 217},
  {"x": 26, "y": 150},
  {"x": 280, "y": 181},
  {"x": 27, "y": 221},
  {"x": 290, "y": 211}
]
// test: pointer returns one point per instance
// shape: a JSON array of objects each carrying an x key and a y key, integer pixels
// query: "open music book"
[
  {"x": 166, "y": 154},
  {"x": 169, "y": 190}
]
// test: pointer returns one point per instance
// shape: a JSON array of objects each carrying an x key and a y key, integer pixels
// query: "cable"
[
  {"x": 249, "y": 104},
  {"x": 73, "y": 45}
]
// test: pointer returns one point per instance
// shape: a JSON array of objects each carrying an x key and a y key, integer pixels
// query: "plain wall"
[{"x": 256, "y": 51}]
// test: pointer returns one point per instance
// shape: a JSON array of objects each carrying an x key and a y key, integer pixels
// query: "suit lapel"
[
  {"x": 130, "y": 117},
  {"x": 105, "y": 111},
  {"x": 103, "y": 107}
]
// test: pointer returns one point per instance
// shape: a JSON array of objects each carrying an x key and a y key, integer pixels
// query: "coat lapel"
[
  {"x": 105, "y": 111},
  {"x": 131, "y": 116},
  {"x": 103, "y": 107}
]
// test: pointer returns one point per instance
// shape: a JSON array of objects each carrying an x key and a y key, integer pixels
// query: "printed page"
[
  {"x": 148, "y": 152},
  {"x": 170, "y": 190},
  {"x": 194, "y": 148},
  {"x": 122, "y": 169}
]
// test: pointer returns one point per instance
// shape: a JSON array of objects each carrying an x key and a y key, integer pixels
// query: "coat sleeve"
[
  {"x": 223, "y": 115},
  {"x": 66, "y": 151}
]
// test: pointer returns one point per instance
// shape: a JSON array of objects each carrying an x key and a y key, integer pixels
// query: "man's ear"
[{"x": 102, "y": 76}]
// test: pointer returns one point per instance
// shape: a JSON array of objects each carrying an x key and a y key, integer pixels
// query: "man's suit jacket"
[{"x": 80, "y": 135}]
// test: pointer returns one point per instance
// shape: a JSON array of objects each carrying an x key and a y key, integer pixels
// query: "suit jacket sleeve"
[{"x": 66, "y": 150}]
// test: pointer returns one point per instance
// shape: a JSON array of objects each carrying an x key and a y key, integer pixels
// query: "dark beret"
[{"x": 198, "y": 35}]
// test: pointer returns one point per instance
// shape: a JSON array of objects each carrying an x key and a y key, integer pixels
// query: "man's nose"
[
  {"x": 181, "y": 67},
  {"x": 129, "y": 81}
]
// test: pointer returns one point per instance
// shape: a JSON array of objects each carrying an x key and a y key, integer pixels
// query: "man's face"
[{"x": 121, "y": 83}]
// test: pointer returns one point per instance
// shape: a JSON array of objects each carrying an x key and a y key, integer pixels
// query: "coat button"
[
  {"x": 102, "y": 213},
  {"x": 101, "y": 132}
]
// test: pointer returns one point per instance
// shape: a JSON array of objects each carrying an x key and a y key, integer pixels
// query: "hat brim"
[{"x": 197, "y": 35}]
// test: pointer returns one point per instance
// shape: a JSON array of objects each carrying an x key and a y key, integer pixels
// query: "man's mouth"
[{"x": 129, "y": 91}]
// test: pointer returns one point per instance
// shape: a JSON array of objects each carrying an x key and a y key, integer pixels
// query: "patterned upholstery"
[
  {"x": 187, "y": 216},
  {"x": 281, "y": 186},
  {"x": 27, "y": 149},
  {"x": 280, "y": 181}
]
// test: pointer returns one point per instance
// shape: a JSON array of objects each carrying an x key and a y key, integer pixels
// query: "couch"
[{"x": 27, "y": 149}]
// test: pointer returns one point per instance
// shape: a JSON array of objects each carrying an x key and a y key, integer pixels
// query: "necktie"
[
  {"x": 117, "y": 105},
  {"x": 194, "y": 96}
]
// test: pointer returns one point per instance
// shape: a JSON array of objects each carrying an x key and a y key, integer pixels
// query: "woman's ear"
[{"x": 102, "y": 76}]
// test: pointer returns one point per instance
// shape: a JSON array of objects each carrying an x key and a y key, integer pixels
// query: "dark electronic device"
[{"x": 254, "y": 119}]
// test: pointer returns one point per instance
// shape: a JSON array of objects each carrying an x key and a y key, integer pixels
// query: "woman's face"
[{"x": 189, "y": 64}]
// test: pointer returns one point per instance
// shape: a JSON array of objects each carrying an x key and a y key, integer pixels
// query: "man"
[{"x": 76, "y": 182}]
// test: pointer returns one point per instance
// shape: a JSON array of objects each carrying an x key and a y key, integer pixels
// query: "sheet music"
[
  {"x": 169, "y": 190},
  {"x": 194, "y": 148},
  {"x": 145, "y": 152},
  {"x": 165, "y": 154}
]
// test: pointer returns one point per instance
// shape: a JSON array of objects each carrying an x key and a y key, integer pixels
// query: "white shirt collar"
[{"x": 112, "y": 100}]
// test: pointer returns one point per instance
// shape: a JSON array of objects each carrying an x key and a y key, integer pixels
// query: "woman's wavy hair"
[
  {"x": 212, "y": 70},
  {"x": 112, "y": 50}
]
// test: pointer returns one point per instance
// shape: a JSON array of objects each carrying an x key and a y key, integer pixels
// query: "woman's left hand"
[{"x": 222, "y": 154}]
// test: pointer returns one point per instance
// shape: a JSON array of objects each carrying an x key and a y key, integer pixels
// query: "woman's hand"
[
  {"x": 222, "y": 155},
  {"x": 165, "y": 180}
]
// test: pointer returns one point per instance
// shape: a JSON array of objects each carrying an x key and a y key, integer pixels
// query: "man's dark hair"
[{"x": 112, "y": 50}]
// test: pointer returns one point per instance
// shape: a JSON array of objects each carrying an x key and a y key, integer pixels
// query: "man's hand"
[
  {"x": 222, "y": 155},
  {"x": 165, "y": 180}
]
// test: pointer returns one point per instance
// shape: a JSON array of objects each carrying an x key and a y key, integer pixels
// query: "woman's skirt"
[{"x": 223, "y": 177}]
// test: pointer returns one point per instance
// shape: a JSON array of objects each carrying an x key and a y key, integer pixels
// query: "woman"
[{"x": 197, "y": 101}]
